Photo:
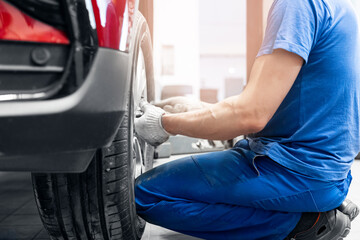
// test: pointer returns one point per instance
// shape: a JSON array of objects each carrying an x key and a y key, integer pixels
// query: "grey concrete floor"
[{"x": 19, "y": 218}]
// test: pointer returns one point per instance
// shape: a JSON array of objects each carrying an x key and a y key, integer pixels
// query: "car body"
[
  {"x": 56, "y": 124},
  {"x": 72, "y": 76}
]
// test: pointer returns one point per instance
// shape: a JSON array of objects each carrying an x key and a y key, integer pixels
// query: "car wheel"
[{"x": 100, "y": 203}]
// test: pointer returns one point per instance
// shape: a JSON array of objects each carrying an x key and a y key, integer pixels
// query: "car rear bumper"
[{"x": 61, "y": 135}]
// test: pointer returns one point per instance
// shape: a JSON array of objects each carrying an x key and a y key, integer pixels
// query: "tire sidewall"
[{"x": 141, "y": 40}]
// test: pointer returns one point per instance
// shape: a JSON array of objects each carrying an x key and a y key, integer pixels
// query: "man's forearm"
[{"x": 221, "y": 121}]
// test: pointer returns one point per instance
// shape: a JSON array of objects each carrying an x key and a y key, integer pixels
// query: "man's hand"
[
  {"x": 181, "y": 104},
  {"x": 149, "y": 126}
]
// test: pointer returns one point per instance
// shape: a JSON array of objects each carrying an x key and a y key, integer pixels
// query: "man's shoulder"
[{"x": 315, "y": 6}]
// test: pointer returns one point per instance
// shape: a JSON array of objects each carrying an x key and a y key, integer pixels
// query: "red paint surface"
[
  {"x": 16, "y": 25},
  {"x": 110, "y": 17}
]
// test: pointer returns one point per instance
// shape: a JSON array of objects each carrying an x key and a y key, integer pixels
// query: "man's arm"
[
  {"x": 181, "y": 104},
  {"x": 271, "y": 78}
]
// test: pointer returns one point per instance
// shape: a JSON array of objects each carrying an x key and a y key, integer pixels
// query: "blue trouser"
[{"x": 228, "y": 195}]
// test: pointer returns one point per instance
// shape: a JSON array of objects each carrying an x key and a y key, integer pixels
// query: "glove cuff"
[
  {"x": 160, "y": 123},
  {"x": 154, "y": 123}
]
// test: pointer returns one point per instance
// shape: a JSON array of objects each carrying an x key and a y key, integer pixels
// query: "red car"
[{"x": 72, "y": 74}]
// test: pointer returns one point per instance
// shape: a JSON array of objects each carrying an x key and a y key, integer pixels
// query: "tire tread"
[{"x": 99, "y": 203}]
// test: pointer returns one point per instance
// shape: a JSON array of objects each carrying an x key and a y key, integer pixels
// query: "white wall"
[
  {"x": 222, "y": 43},
  {"x": 176, "y": 23},
  {"x": 222, "y": 27},
  {"x": 357, "y": 6},
  {"x": 209, "y": 38}
]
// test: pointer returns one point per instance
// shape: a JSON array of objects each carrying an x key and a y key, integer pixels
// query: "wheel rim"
[
  {"x": 138, "y": 157},
  {"x": 140, "y": 147},
  {"x": 139, "y": 87}
]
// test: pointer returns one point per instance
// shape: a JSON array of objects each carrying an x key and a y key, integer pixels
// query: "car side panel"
[{"x": 114, "y": 21}]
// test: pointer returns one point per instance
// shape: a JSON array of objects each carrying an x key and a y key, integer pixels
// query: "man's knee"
[
  {"x": 139, "y": 188},
  {"x": 140, "y": 197},
  {"x": 144, "y": 197}
]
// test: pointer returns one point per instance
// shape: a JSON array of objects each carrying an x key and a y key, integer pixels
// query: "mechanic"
[{"x": 300, "y": 110}]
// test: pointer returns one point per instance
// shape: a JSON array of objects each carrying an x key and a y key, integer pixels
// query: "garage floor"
[{"x": 19, "y": 218}]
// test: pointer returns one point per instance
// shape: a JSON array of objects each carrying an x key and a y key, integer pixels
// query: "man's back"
[{"x": 316, "y": 129}]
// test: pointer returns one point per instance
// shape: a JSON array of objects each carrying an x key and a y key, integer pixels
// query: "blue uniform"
[
  {"x": 299, "y": 163},
  {"x": 316, "y": 128}
]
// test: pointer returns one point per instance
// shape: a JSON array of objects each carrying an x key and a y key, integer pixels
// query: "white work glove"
[
  {"x": 180, "y": 104},
  {"x": 149, "y": 126}
]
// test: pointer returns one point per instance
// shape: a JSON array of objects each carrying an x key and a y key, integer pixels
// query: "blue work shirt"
[{"x": 315, "y": 131}]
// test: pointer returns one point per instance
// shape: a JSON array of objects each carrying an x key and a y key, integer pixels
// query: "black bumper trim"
[{"x": 82, "y": 122}]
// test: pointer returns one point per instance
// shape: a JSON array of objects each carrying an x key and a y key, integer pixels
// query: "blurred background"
[
  {"x": 205, "y": 48},
  {"x": 200, "y": 48}
]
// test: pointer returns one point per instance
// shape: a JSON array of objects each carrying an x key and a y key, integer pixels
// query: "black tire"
[{"x": 100, "y": 203}]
